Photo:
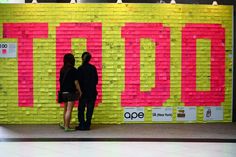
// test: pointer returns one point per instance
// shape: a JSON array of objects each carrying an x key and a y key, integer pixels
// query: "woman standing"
[{"x": 70, "y": 88}]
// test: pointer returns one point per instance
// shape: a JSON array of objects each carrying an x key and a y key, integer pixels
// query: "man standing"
[{"x": 88, "y": 79}]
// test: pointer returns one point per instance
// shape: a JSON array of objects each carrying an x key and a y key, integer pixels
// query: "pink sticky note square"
[{"x": 4, "y": 51}]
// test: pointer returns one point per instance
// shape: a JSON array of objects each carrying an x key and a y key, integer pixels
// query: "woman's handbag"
[{"x": 60, "y": 98}]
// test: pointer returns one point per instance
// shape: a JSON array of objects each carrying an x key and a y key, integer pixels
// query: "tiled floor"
[{"x": 116, "y": 149}]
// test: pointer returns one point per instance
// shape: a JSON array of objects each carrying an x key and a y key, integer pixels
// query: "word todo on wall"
[{"x": 146, "y": 56}]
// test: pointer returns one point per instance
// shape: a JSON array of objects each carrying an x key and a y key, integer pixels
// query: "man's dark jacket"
[{"x": 88, "y": 79}]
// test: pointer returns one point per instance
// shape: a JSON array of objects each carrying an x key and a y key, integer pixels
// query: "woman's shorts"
[{"x": 66, "y": 96}]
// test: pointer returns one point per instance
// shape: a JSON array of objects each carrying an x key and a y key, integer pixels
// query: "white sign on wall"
[
  {"x": 213, "y": 113},
  {"x": 162, "y": 114},
  {"x": 12, "y": 1},
  {"x": 134, "y": 114},
  {"x": 8, "y": 50},
  {"x": 186, "y": 113}
]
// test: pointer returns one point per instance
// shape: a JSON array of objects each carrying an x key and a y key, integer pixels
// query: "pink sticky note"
[{"x": 4, "y": 51}]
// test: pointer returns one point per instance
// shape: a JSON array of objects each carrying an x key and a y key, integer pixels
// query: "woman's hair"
[
  {"x": 86, "y": 56},
  {"x": 69, "y": 59}
]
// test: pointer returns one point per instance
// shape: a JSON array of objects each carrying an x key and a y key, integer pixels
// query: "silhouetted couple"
[{"x": 78, "y": 84}]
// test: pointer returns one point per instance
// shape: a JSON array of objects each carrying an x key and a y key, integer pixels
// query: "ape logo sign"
[
  {"x": 132, "y": 33},
  {"x": 132, "y": 114}
]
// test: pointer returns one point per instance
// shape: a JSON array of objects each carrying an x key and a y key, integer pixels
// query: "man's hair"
[
  {"x": 86, "y": 56},
  {"x": 69, "y": 59}
]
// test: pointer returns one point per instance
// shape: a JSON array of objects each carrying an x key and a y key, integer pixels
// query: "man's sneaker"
[{"x": 82, "y": 128}]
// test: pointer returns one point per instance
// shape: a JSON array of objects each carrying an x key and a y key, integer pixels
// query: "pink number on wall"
[
  {"x": 90, "y": 31},
  {"x": 25, "y": 33},
  {"x": 216, "y": 34},
  {"x": 160, "y": 35}
]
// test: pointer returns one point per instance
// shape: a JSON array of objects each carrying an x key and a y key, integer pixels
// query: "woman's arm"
[{"x": 78, "y": 87}]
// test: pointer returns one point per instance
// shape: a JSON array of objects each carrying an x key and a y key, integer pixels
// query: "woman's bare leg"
[
  {"x": 68, "y": 112},
  {"x": 64, "y": 115}
]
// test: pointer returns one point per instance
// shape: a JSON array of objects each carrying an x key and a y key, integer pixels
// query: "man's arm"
[{"x": 78, "y": 87}]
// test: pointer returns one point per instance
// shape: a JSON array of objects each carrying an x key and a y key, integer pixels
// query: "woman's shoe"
[{"x": 69, "y": 129}]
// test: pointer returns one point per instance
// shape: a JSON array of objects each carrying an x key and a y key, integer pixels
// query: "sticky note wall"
[{"x": 150, "y": 57}]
